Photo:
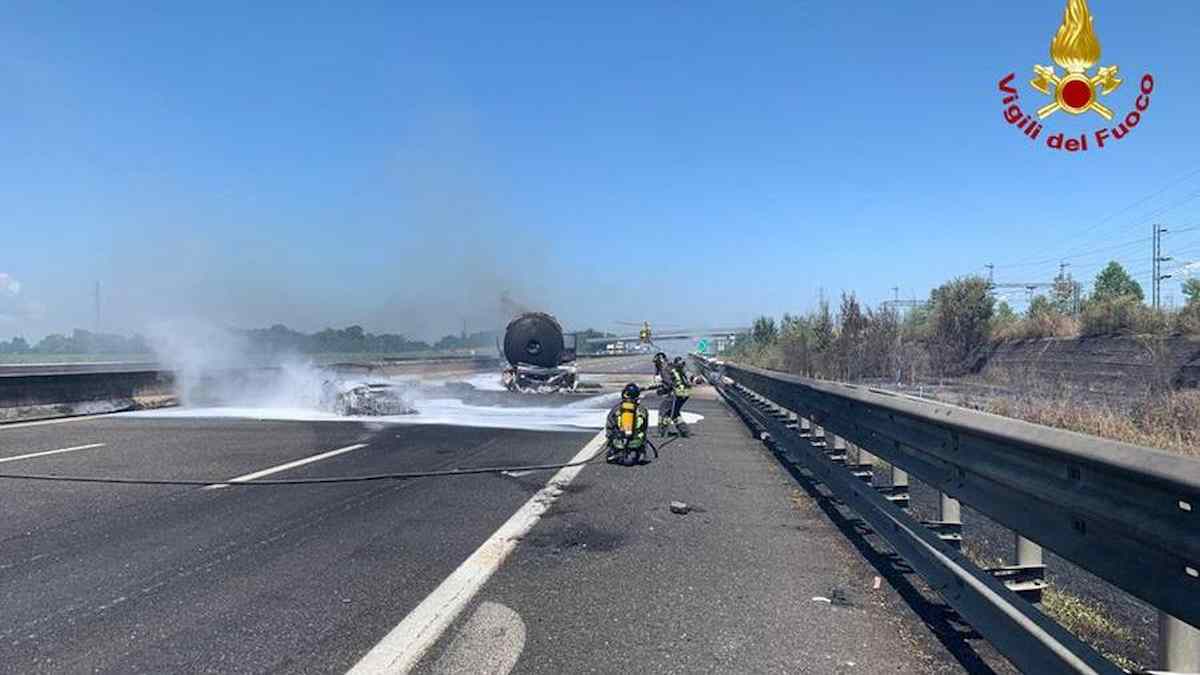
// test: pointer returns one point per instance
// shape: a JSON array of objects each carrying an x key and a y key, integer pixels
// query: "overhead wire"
[{"x": 1145, "y": 218}]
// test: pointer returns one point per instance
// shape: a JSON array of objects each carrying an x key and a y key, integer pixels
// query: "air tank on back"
[{"x": 534, "y": 338}]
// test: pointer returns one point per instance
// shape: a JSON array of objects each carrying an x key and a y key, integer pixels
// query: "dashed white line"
[
  {"x": 44, "y": 453},
  {"x": 285, "y": 467},
  {"x": 402, "y": 649}
]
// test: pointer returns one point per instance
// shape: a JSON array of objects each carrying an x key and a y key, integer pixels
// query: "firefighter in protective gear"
[
  {"x": 675, "y": 389},
  {"x": 626, "y": 427}
]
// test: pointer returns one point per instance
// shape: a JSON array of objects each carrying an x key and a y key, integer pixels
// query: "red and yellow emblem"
[{"x": 1075, "y": 49}]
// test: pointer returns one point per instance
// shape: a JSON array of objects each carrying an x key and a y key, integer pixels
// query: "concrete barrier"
[
  {"x": 41, "y": 391},
  {"x": 26, "y": 396}
]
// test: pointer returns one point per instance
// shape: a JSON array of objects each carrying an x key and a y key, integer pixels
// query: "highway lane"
[
  {"x": 113, "y": 578},
  {"x": 637, "y": 364},
  {"x": 300, "y": 579}
]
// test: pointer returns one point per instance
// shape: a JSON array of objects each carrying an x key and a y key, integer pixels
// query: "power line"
[
  {"x": 1145, "y": 199},
  {"x": 1082, "y": 254},
  {"x": 1099, "y": 224},
  {"x": 1130, "y": 261},
  {"x": 1145, "y": 217}
]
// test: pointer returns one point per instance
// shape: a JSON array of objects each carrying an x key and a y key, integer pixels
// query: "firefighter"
[
  {"x": 625, "y": 428},
  {"x": 675, "y": 389},
  {"x": 660, "y": 361}
]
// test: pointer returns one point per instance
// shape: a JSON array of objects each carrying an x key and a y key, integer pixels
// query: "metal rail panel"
[
  {"x": 1032, "y": 641},
  {"x": 1129, "y": 514}
]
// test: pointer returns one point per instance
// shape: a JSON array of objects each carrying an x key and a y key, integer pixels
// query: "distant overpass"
[{"x": 722, "y": 335}]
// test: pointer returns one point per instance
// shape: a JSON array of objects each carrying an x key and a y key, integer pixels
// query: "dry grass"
[
  {"x": 1169, "y": 421},
  {"x": 1085, "y": 620},
  {"x": 1038, "y": 326},
  {"x": 1088, "y": 622}
]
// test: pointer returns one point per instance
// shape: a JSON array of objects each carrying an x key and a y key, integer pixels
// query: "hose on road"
[{"x": 195, "y": 482}]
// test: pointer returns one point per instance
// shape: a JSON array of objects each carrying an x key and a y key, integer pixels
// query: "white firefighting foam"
[{"x": 299, "y": 405}]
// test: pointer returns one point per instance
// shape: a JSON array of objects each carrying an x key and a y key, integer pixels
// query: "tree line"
[
  {"x": 277, "y": 339},
  {"x": 78, "y": 342},
  {"x": 942, "y": 335}
]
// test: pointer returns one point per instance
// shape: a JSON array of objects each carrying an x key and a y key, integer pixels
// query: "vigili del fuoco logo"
[{"x": 1077, "y": 89}]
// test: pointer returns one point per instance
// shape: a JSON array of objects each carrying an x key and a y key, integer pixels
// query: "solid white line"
[
  {"x": 401, "y": 649},
  {"x": 285, "y": 467},
  {"x": 51, "y": 452},
  {"x": 55, "y": 420}
]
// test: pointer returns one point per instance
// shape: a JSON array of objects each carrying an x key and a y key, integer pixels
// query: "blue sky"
[{"x": 400, "y": 165}]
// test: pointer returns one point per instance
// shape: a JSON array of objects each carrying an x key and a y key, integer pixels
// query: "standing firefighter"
[
  {"x": 675, "y": 389},
  {"x": 626, "y": 428}
]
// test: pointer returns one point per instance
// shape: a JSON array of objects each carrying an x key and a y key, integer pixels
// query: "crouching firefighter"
[
  {"x": 675, "y": 389},
  {"x": 626, "y": 429}
]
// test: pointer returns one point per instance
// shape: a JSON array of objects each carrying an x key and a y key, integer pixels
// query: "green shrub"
[
  {"x": 1119, "y": 315},
  {"x": 960, "y": 321},
  {"x": 1187, "y": 321}
]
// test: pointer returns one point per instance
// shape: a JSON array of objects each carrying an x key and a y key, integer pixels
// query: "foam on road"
[{"x": 583, "y": 415}]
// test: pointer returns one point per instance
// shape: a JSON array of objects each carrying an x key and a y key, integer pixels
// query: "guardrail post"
[
  {"x": 1027, "y": 578},
  {"x": 854, "y": 455},
  {"x": 865, "y": 457},
  {"x": 948, "y": 526},
  {"x": 1028, "y": 553},
  {"x": 1178, "y": 645},
  {"x": 949, "y": 510},
  {"x": 897, "y": 492},
  {"x": 835, "y": 448}
]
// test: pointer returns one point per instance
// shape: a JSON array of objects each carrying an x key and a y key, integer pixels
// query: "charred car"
[{"x": 371, "y": 398}]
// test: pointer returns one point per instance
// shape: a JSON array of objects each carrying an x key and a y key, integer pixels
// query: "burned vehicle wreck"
[
  {"x": 538, "y": 359},
  {"x": 359, "y": 397}
]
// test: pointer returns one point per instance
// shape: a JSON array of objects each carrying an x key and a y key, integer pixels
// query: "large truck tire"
[{"x": 534, "y": 338}]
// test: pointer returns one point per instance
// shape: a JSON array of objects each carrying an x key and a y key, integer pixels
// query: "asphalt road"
[
  {"x": 300, "y": 579},
  {"x": 111, "y": 578},
  {"x": 755, "y": 578},
  {"x": 640, "y": 364}
]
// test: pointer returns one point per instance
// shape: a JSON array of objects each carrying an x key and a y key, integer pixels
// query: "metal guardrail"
[
  {"x": 1130, "y": 515},
  {"x": 46, "y": 390},
  {"x": 50, "y": 369}
]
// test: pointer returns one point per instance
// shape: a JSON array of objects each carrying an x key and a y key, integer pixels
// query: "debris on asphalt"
[
  {"x": 680, "y": 507},
  {"x": 837, "y": 597}
]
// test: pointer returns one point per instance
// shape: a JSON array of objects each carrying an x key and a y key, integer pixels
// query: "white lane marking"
[
  {"x": 285, "y": 467},
  {"x": 401, "y": 649},
  {"x": 43, "y": 453},
  {"x": 56, "y": 420}
]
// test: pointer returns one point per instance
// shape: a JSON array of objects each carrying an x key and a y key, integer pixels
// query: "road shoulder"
[{"x": 755, "y": 578}]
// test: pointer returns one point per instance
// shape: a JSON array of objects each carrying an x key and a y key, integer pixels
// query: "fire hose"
[{"x": 406, "y": 475}]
